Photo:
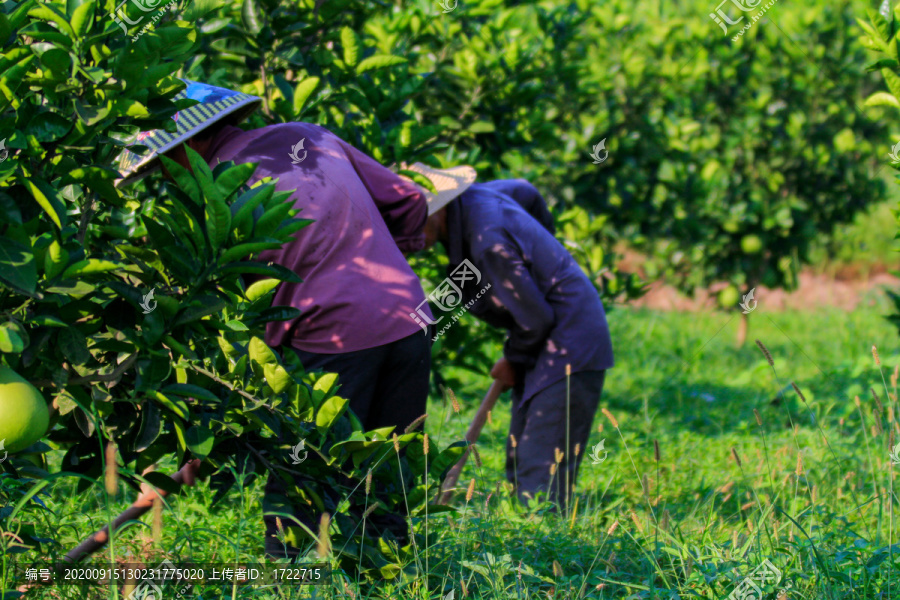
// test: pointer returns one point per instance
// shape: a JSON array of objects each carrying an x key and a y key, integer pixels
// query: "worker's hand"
[{"x": 504, "y": 372}]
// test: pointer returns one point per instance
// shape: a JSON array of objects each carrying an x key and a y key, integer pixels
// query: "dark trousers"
[
  {"x": 386, "y": 386},
  {"x": 539, "y": 427}
]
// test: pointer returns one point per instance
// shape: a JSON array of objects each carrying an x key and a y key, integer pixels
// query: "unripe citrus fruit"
[
  {"x": 728, "y": 298},
  {"x": 23, "y": 412},
  {"x": 751, "y": 244}
]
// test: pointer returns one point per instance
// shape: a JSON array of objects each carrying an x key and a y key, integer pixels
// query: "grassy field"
[{"x": 812, "y": 499}]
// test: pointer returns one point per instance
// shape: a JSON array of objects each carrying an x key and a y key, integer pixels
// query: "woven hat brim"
[
  {"x": 448, "y": 183},
  {"x": 191, "y": 121}
]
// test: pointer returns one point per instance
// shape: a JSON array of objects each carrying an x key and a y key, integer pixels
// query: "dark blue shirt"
[{"x": 538, "y": 293}]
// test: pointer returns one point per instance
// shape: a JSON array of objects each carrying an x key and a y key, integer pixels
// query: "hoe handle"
[
  {"x": 490, "y": 399},
  {"x": 144, "y": 502}
]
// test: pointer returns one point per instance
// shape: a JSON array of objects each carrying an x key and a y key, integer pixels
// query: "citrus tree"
[{"x": 133, "y": 313}]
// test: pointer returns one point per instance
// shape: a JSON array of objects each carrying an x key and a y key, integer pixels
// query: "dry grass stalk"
[
  {"x": 112, "y": 470},
  {"x": 453, "y": 401},
  {"x": 656, "y": 449},
  {"x": 799, "y": 393},
  {"x": 875, "y": 354},
  {"x": 611, "y": 418},
  {"x": 412, "y": 426},
  {"x": 324, "y": 546},
  {"x": 471, "y": 491},
  {"x": 766, "y": 353},
  {"x": 425, "y": 444},
  {"x": 157, "y": 520},
  {"x": 396, "y": 444},
  {"x": 577, "y": 450},
  {"x": 513, "y": 441},
  {"x": 877, "y": 401},
  {"x": 368, "y": 482},
  {"x": 736, "y": 457},
  {"x": 476, "y": 455},
  {"x": 758, "y": 418}
]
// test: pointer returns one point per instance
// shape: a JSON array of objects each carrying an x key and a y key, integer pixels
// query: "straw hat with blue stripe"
[{"x": 215, "y": 104}]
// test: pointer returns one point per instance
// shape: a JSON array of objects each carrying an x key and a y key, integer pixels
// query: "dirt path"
[{"x": 845, "y": 291}]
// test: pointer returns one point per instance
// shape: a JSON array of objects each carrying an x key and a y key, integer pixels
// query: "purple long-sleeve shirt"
[
  {"x": 358, "y": 290},
  {"x": 538, "y": 293}
]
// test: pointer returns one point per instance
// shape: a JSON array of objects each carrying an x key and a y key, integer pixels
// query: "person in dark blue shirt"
[{"x": 554, "y": 317}]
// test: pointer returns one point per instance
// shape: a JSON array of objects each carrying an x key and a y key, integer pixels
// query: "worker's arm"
[
  {"x": 400, "y": 202},
  {"x": 515, "y": 289}
]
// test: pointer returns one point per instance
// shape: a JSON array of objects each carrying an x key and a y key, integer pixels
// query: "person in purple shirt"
[
  {"x": 554, "y": 317},
  {"x": 357, "y": 289}
]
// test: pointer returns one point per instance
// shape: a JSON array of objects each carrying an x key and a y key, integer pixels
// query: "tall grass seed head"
[{"x": 766, "y": 353}]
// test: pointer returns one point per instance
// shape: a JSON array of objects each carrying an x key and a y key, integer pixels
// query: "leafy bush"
[{"x": 189, "y": 376}]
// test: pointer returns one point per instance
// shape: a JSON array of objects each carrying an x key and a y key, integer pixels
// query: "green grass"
[{"x": 692, "y": 525}]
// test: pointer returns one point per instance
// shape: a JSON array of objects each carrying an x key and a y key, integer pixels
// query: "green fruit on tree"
[
  {"x": 23, "y": 412},
  {"x": 728, "y": 298},
  {"x": 751, "y": 244}
]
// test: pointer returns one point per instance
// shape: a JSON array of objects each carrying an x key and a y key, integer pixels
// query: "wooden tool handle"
[
  {"x": 135, "y": 511},
  {"x": 490, "y": 399}
]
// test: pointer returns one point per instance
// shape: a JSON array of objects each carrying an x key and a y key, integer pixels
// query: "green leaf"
[
  {"x": 277, "y": 377},
  {"x": 236, "y": 326},
  {"x": 218, "y": 221},
  {"x": 379, "y": 61},
  {"x": 46, "y": 196},
  {"x": 189, "y": 390},
  {"x": 330, "y": 411},
  {"x": 17, "y": 266},
  {"x": 163, "y": 482},
  {"x": 242, "y": 250},
  {"x": 177, "y": 406},
  {"x": 260, "y": 353},
  {"x": 151, "y": 427},
  {"x": 303, "y": 91},
  {"x": 73, "y": 344},
  {"x": 82, "y": 18},
  {"x": 231, "y": 180},
  {"x": 893, "y": 81},
  {"x": 184, "y": 179},
  {"x": 250, "y": 16},
  {"x": 200, "y": 441},
  {"x": 882, "y": 99},
  {"x": 91, "y": 266},
  {"x": 10, "y": 341},
  {"x": 49, "y": 12},
  {"x": 261, "y": 288},
  {"x": 481, "y": 127},
  {"x": 351, "y": 46}
]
